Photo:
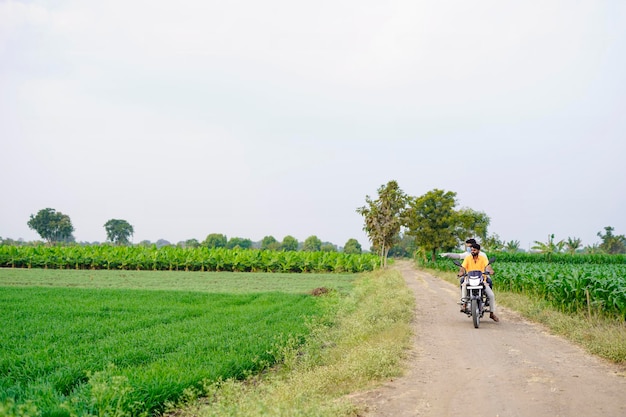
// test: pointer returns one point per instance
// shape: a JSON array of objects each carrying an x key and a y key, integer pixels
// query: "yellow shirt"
[{"x": 478, "y": 264}]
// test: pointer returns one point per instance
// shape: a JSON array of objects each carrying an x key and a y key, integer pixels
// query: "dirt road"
[{"x": 514, "y": 367}]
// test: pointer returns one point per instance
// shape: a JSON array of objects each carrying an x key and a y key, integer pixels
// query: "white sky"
[{"x": 253, "y": 118}]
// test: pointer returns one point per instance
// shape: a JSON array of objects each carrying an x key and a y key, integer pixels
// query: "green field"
[
  {"x": 571, "y": 283},
  {"x": 92, "y": 342},
  {"x": 214, "y": 282}
]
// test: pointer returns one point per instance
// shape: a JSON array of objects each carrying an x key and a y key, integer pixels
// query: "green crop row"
[
  {"x": 560, "y": 258},
  {"x": 571, "y": 287},
  {"x": 182, "y": 259}
]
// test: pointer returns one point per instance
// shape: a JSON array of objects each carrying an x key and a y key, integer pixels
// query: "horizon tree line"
[
  {"x": 396, "y": 223},
  {"x": 55, "y": 227},
  {"x": 431, "y": 223}
]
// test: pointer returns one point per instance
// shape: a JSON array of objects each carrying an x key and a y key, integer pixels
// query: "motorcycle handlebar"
[{"x": 465, "y": 274}]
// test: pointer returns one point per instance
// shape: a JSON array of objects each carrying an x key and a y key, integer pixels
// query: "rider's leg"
[
  {"x": 492, "y": 299},
  {"x": 463, "y": 289}
]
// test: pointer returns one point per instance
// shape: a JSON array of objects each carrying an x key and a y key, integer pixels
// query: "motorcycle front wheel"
[{"x": 475, "y": 313}]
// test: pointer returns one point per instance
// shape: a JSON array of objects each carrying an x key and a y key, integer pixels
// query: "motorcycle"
[{"x": 476, "y": 302}]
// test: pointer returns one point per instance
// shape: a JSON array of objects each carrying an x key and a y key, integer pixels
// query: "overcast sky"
[{"x": 255, "y": 118}]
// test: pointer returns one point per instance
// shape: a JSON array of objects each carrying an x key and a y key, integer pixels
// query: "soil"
[{"x": 506, "y": 369}]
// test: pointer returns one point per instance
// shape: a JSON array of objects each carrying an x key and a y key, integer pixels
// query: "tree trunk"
[{"x": 383, "y": 257}]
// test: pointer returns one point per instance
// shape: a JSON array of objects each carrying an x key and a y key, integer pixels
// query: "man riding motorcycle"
[{"x": 475, "y": 262}]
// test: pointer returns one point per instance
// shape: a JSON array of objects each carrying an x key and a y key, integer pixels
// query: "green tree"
[
  {"x": 352, "y": 246},
  {"x": 312, "y": 244},
  {"x": 270, "y": 243},
  {"x": 493, "y": 243},
  {"x": 512, "y": 246},
  {"x": 593, "y": 249},
  {"x": 328, "y": 247},
  {"x": 118, "y": 231},
  {"x": 549, "y": 247},
  {"x": 611, "y": 243},
  {"x": 404, "y": 247},
  {"x": 573, "y": 244},
  {"x": 239, "y": 242},
  {"x": 52, "y": 226},
  {"x": 192, "y": 243},
  {"x": 215, "y": 240},
  {"x": 289, "y": 244},
  {"x": 10, "y": 242},
  {"x": 384, "y": 218},
  {"x": 162, "y": 243},
  {"x": 471, "y": 223},
  {"x": 434, "y": 223}
]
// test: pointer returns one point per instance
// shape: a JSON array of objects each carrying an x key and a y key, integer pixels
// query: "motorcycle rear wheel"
[{"x": 475, "y": 314}]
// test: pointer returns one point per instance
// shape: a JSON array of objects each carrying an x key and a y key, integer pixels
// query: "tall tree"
[
  {"x": 162, "y": 243},
  {"x": 549, "y": 247},
  {"x": 404, "y": 246},
  {"x": 52, "y": 226},
  {"x": 191, "y": 243},
  {"x": 472, "y": 224},
  {"x": 573, "y": 244},
  {"x": 384, "y": 218},
  {"x": 289, "y": 244},
  {"x": 593, "y": 249},
  {"x": 312, "y": 244},
  {"x": 239, "y": 242},
  {"x": 512, "y": 246},
  {"x": 215, "y": 240},
  {"x": 270, "y": 243},
  {"x": 433, "y": 221},
  {"x": 119, "y": 231},
  {"x": 352, "y": 246},
  {"x": 328, "y": 247},
  {"x": 493, "y": 243},
  {"x": 612, "y": 243}
]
